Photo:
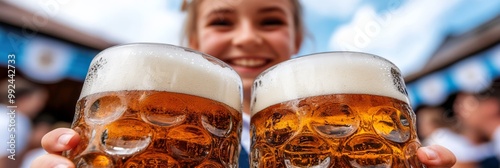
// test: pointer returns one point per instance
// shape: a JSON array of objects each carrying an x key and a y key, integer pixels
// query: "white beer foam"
[
  {"x": 327, "y": 73},
  {"x": 163, "y": 68}
]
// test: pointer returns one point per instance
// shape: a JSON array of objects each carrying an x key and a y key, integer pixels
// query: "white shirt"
[
  {"x": 245, "y": 133},
  {"x": 13, "y": 124},
  {"x": 496, "y": 141},
  {"x": 31, "y": 156},
  {"x": 461, "y": 147}
]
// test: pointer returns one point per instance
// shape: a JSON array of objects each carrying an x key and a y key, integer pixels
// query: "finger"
[
  {"x": 51, "y": 161},
  {"x": 59, "y": 140},
  {"x": 436, "y": 156}
]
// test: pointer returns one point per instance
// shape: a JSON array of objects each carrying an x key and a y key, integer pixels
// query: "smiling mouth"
[{"x": 249, "y": 62}]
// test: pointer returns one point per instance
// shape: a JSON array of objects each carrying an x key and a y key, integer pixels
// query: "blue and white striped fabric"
[{"x": 472, "y": 74}]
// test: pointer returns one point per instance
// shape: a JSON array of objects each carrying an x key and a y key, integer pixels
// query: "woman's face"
[{"x": 249, "y": 35}]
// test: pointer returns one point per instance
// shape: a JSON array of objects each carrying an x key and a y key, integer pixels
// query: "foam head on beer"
[
  {"x": 163, "y": 67},
  {"x": 328, "y": 73}
]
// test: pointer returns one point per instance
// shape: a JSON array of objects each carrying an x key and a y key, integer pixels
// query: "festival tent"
[
  {"x": 468, "y": 62},
  {"x": 47, "y": 53}
]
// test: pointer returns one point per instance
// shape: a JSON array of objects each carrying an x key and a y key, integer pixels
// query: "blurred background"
[{"x": 443, "y": 48}]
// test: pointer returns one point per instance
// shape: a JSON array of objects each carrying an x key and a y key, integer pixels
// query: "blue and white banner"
[
  {"x": 472, "y": 74},
  {"x": 43, "y": 58}
]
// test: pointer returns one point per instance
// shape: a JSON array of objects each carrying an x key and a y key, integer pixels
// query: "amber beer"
[
  {"x": 156, "y": 105},
  {"x": 339, "y": 109}
]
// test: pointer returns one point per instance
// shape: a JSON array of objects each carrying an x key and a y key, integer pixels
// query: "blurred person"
[
  {"x": 429, "y": 119},
  {"x": 42, "y": 127},
  {"x": 480, "y": 113},
  {"x": 16, "y": 123},
  {"x": 250, "y": 36},
  {"x": 437, "y": 126}
]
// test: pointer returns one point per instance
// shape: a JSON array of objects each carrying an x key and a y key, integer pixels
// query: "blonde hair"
[{"x": 191, "y": 17}]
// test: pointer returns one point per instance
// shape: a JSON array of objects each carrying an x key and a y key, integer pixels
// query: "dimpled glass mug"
[
  {"x": 158, "y": 105},
  {"x": 336, "y": 109}
]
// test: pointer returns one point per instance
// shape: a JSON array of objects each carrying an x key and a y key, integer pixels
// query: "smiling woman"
[{"x": 251, "y": 36}]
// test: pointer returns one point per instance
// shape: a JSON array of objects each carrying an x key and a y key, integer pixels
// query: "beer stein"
[
  {"x": 158, "y": 105},
  {"x": 335, "y": 109}
]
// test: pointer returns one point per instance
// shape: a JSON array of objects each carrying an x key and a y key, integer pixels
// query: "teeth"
[{"x": 249, "y": 62}]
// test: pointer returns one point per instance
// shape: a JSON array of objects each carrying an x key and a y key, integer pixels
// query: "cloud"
[
  {"x": 359, "y": 33},
  {"x": 406, "y": 36},
  {"x": 331, "y": 8},
  {"x": 121, "y": 21}
]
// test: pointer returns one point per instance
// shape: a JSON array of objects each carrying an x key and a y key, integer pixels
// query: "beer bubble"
[
  {"x": 307, "y": 151},
  {"x": 160, "y": 141},
  {"x": 410, "y": 154},
  {"x": 334, "y": 120},
  {"x": 369, "y": 163},
  {"x": 164, "y": 110},
  {"x": 79, "y": 110},
  {"x": 210, "y": 164},
  {"x": 105, "y": 109},
  {"x": 391, "y": 124},
  {"x": 228, "y": 151},
  {"x": 164, "y": 119},
  {"x": 281, "y": 124},
  {"x": 253, "y": 135},
  {"x": 263, "y": 156},
  {"x": 367, "y": 151},
  {"x": 219, "y": 124},
  {"x": 91, "y": 160},
  {"x": 323, "y": 164},
  {"x": 126, "y": 137},
  {"x": 81, "y": 129},
  {"x": 152, "y": 160},
  {"x": 189, "y": 143}
]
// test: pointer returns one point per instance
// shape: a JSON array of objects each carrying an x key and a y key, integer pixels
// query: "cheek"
[
  {"x": 485, "y": 110},
  {"x": 211, "y": 43},
  {"x": 282, "y": 43}
]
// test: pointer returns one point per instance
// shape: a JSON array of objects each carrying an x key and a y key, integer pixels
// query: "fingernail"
[
  {"x": 61, "y": 166},
  {"x": 431, "y": 154},
  {"x": 64, "y": 138}
]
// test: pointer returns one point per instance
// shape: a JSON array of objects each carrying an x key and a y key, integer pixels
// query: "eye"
[
  {"x": 220, "y": 22},
  {"x": 272, "y": 22}
]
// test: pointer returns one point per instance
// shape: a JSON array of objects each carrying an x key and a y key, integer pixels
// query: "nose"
[{"x": 247, "y": 36}]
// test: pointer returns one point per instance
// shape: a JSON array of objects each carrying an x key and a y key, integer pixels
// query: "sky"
[{"x": 406, "y": 32}]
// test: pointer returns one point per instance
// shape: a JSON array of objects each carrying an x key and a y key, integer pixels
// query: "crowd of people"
[
  {"x": 468, "y": 124},
  {"x": 24, "y": 123}
]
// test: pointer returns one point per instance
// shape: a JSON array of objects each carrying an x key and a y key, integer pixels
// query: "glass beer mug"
[
  {"x": 157, "y": 105},
  {"x": 337, "y": 109}
]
